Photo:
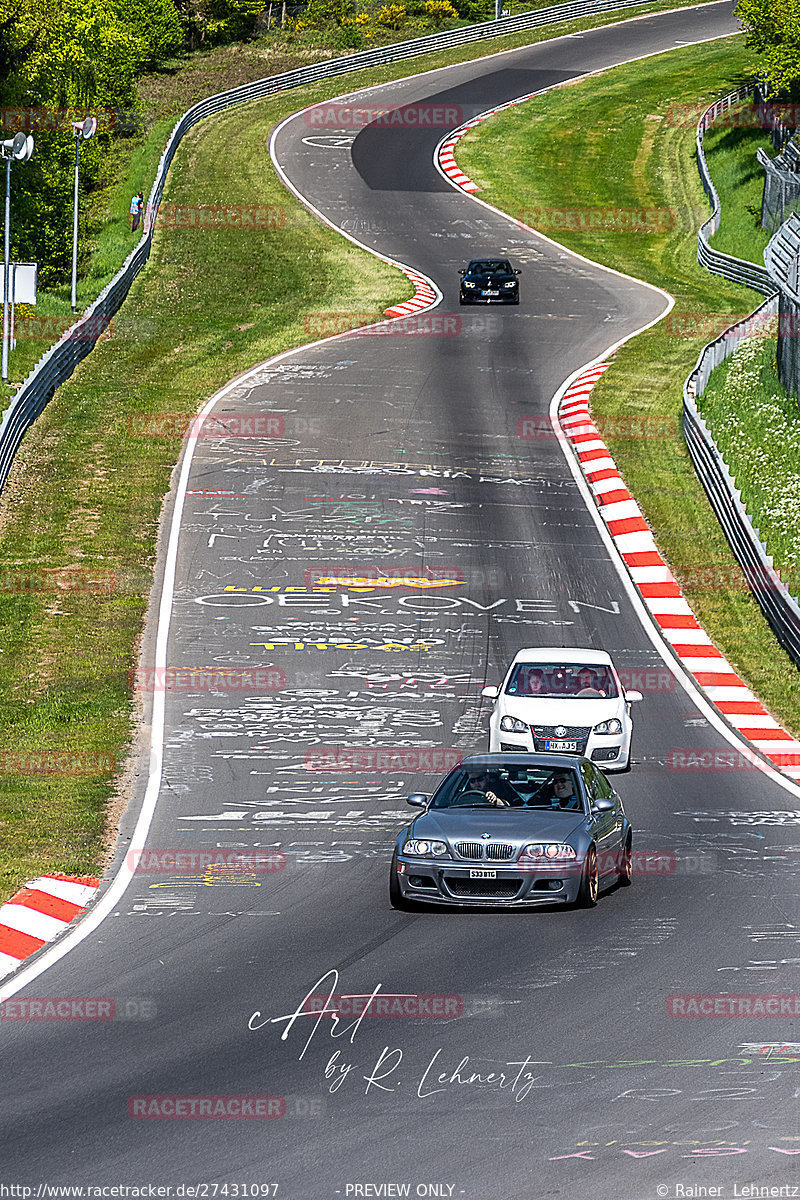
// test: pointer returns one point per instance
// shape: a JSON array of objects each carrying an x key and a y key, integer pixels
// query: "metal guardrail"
[
  {"x": 58, "y": 364},
  {"x": 737, "y": 270},
  {"x": 781, "y": 176},
  {"x": 779, "y": 607},
  {"x": 782, "y": 257}
]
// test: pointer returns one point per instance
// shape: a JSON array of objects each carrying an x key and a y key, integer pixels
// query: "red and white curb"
[
  {"x": 447, "y": 162},
  {"x": 40, "y": 912},
  {"x": 660, "y": 591},
  {"x": 423, "y": 297},
  {"x": 444, "y": 156}
]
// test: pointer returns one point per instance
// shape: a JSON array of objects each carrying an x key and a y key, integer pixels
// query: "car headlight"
[
  {"x": 468, "y": 284},
  {"x": 423, "y": 848},
  {"x": 612, "y": 726},
  {"x": 513, "y": 725},
  {"x": 546, "y": 850},
  {"x": 511, "y": 284}
]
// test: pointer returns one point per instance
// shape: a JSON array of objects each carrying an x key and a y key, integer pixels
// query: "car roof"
[
  {"x": 490, "y": 258},
  {"x": 564, "y": 654},
  {"x": 515, "y": 758}
]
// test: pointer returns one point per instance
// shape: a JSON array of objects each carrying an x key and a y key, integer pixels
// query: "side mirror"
[
  {"x": 633, "y": 697},
  {"x": 491, "y": 693},
  {"x": 602, "y": 804},
  {"x": 518, "y": 270},
  {"x": 417, "y": 800},
  {"x": 463, "y": 271}
]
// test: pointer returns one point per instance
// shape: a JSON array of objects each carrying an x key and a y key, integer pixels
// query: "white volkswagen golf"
[{"x": 563, "y": 700}]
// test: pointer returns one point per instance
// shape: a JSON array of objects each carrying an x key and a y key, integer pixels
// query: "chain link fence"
[
  {"x": 781, "y": 185},
  {"x": 782, "y": 257},
  {"x": 777, "y": 118},
  {"x": 781, "y": 173}
]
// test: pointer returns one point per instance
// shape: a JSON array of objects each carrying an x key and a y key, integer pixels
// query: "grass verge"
[
  {"x": 739, "y": 177},
  {"x": 631, "y": 156}
]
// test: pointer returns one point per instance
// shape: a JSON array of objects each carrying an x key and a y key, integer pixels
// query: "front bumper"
[
  {"x": 476, "y": 298},
  {"x": 609, "y": 751},
  {"x": 437, "y": 882}
]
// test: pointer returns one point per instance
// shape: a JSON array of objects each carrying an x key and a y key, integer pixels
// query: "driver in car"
[
  {"x": 589, "y": 683},
  {"x": 497, "y": 790}
]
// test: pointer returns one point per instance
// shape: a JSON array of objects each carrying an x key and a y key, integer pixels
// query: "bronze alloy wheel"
[
  {"x": 626, "y": 864},
  {"x": 587, "y": 895}
]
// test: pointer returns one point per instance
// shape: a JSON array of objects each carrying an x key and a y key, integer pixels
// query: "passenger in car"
[{"x": 564, "y": 794}]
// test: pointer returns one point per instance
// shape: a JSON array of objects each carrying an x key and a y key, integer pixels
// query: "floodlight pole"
[
  {"x": 81, "y": 129},
  {"x": 19, "y": 147},
  {"x": 74, "y": 297},
  {"x": 6, "y": 252}
]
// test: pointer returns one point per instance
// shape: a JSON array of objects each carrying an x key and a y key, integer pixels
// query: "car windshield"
[
  {"x": 582, "y": 682},
  {"x": 490, "y": 266},
  {"x": 492, "y": 787}
]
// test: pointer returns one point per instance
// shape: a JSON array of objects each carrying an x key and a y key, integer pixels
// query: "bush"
[
  {"x": 347, "y": 37},
  {"x": 219, "y": 21},
  {"x": 391, "y": 15},
  {"x": 321, "y": 14},
  {"x": 439, "y": 10},
  {"x": 474, "y": 11}
]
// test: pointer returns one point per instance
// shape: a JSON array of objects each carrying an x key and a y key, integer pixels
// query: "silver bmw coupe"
[{"x": 513, "y": 830}]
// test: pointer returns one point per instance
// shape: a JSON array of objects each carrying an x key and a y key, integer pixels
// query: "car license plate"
[
  {"x": 490, "y": 293},
  {"x": 562, "y": 746},
  {"x": 477, "y": 873}
]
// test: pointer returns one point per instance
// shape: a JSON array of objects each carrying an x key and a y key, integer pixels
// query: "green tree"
[
  {"x": 212, "y": 21},
  {"x": 86, "y": 57},
  {"x": 157, "y": 23},
  {"x": 73, "y": 55},
  {"x": 773, "y": 31},
  {"x": 22, "y": 26}
]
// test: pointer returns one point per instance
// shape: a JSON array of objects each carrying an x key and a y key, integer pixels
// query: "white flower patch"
[{"x": 757, "y": 430}]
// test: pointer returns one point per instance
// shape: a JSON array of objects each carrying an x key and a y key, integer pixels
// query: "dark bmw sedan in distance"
[
  {"x": 489, "y": 281},
  {"x": 514, "y": 830}
]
